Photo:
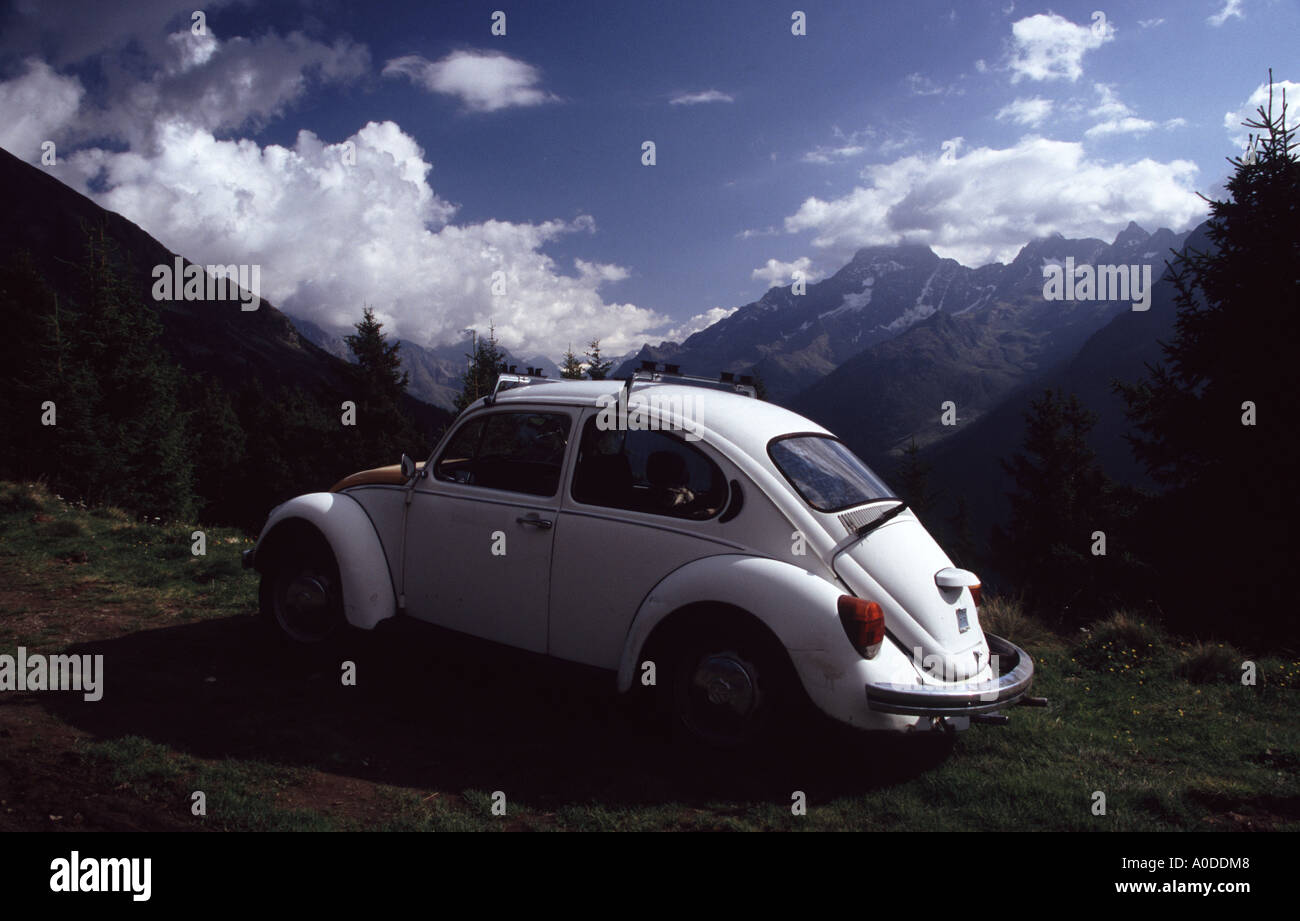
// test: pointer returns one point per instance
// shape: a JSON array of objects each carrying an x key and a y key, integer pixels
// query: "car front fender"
[
  {"x": 798, "y": 606},
  {"x": 368, "y": 594}
]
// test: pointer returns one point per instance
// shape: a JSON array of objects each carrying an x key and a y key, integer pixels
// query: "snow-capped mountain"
[{"x": 906, "y": 309}]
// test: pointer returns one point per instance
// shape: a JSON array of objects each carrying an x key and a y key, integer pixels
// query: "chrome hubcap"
[
  {"x": 306, "y": 595},
  {"x": 304, "y": 613},
  {"x": 725, "y": 684}
]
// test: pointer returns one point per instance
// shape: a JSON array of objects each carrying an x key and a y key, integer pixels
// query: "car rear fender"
[
  {"x": 798, "y": 606},
  {"x": 368, "y": 595}
]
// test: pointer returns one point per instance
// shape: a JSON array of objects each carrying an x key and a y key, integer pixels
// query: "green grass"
[
  {"x": 239, "y": 795},
  {"x": 1006, "y": 617},
  {"x": 1169, "y": 755},
  {"x": 107, "y": 558},
  {"x": 1164, "y": 728}
]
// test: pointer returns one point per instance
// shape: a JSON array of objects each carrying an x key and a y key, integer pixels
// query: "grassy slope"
[{"x": 196, "y": 698}]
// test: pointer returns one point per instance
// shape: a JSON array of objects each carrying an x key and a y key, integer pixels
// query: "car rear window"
[{"x": 825, "y": 473}]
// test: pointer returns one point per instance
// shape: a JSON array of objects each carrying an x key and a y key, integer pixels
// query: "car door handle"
[{"x": 536, "y": 522}]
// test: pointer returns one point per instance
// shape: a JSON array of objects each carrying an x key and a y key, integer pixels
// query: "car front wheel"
[{"x": 301, "y": 596}]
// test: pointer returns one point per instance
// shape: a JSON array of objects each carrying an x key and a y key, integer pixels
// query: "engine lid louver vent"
[{"x": 862, "y": 516}]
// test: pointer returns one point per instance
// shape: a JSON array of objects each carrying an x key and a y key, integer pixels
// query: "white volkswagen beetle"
[{"x": 724, "y": 556}]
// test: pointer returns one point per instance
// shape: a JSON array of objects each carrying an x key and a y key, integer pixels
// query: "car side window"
[
  {"x": 456, "y": 464},
  {"x": 514, "y": 451},
  {"x": 646, "y": 471}
]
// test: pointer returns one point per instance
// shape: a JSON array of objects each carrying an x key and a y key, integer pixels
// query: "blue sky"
[{"x": 971, "y": 127}]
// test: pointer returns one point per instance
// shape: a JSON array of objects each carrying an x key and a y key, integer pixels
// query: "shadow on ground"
[{"x": 437, "y": 711}]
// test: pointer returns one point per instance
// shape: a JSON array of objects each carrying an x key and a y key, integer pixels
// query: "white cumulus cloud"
[
  {"x": 777, "y": 273},
  {"x": 1126, "y": 125},
  {"x": 332, "y": 236},
  {"x": 333, "y": 224},
  {"x": 38, "y": 106},
  {"x": 1047, "y": 46},
  {"x": 220, "y": 85},
  {"x": 1115, "y": 117},
  {"x": 75, "y": 30},
  {"x": 225, "y": 85},
  {"x": 483, "y": 81},
  {"x": 698, "y": 322},
  {"x": 982, "y": 206},
  {"x": 1249, "y": 110}
]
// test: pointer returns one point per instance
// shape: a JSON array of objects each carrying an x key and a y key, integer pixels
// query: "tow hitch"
[{"x": 1001, "y": 719}]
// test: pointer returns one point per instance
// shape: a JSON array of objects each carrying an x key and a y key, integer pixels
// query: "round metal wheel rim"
[
  {"x": 722, "y": 697},
  {"x": 304, "y": 608}
]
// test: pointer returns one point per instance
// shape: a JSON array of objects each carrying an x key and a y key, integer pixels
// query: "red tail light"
[
  {"x": 864, "y": 622},
  {"x": 975, "y": 594}
]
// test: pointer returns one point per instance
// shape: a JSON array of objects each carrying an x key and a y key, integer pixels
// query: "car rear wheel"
[
  {"x": 732, "y": 688},
  {"x": 302, "y": 598}
]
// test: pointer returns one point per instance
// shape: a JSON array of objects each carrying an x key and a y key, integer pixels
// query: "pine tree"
[
  {"x": 376, "y": 384},
  {"x": 220, "y": 446},
  {"x": 1061, "y": 499},
  {"x": 1238, "y": 316},
  {"x": 486, "y": 362},
  {"x": 1215, "y": 419},
  {"x": 597, "y": 368},
  {"x": 294, "y": 444},
  {"x": 28, "y": 309},
  {"x": 960, "y": 541},
  {"x": 121, "y": 435},
  {"x": 571, "y": 367},
  {"x": 912, "y": 477},
  {"x": 378, "y": 368}
]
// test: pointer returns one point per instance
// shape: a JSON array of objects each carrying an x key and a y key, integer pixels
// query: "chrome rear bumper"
[{"x": 1015, "y": 675}]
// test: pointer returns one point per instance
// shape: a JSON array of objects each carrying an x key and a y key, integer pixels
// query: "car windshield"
[{"x": 828, "y": 475}]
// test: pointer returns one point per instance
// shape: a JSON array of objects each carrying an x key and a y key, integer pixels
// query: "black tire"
[
  {"x": 301, "y": 596},
  {"x": 732, "y": 687}
]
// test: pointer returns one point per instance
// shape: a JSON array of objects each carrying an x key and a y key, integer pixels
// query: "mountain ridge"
[
  {"x": 435, "y": 371},
  {"x": 968, "y": 462},
  {"x": 796, "y": 341},
  {"x": 216, "y": 338}
]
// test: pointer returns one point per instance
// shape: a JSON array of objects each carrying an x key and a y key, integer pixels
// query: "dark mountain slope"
[
  {"x": 793, "y": 340},
  {"x": 216, "y": 338},
  {"x": 967, "y": 463},
  {"x": 894, "y": 390}
]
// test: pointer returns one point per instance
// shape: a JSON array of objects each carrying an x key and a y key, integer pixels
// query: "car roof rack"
[
  {"x": 534, "y": 376},
  {"x": 649, "y": 373}
]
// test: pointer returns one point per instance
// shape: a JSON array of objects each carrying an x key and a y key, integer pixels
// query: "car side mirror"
[{"x": 408, "y": 467}]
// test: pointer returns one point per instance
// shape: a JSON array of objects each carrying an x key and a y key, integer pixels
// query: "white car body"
[{"x": 590, "y": 583}]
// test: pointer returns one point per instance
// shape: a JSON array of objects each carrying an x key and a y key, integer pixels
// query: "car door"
[
  {"x": 482, "y": 525},
  {"x": 640, "y": 505}
]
